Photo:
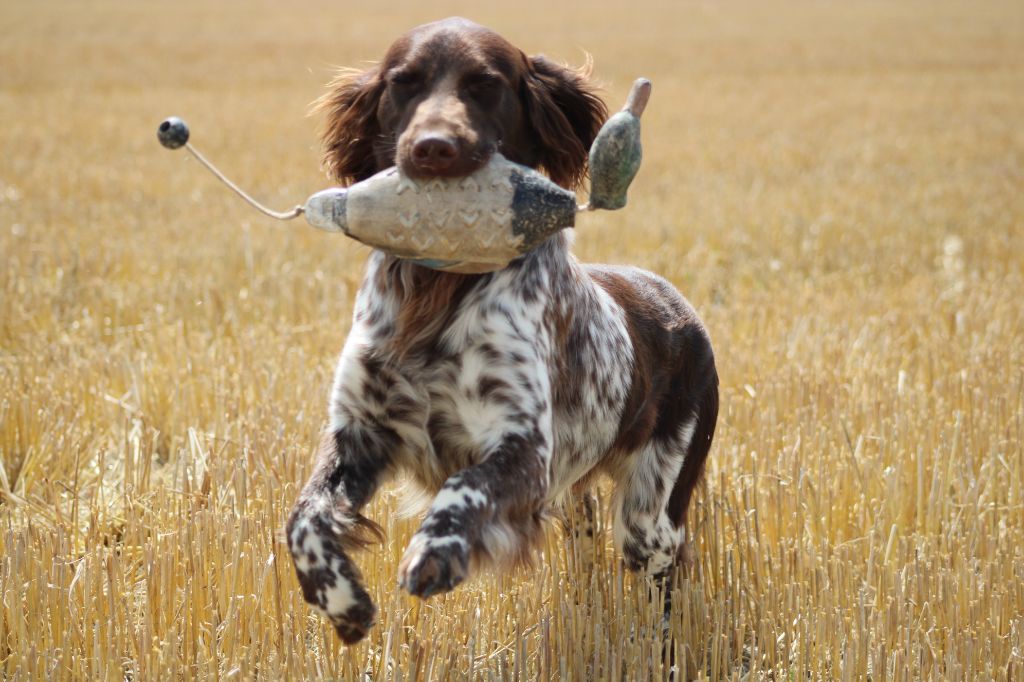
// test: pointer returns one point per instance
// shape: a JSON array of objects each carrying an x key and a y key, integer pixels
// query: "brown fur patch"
[
  {"x": 428, "y": 299},
  {"x": 650, "y": 330}
]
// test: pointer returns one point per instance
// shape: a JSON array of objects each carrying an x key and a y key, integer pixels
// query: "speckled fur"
[
  {"x": 501, "y": 394},
  {"x": 522, "y": 393}
]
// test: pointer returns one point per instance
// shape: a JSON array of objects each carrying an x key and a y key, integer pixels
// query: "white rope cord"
[{"x": 280, "y": 215}]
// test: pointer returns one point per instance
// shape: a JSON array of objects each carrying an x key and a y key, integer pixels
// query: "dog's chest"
[
  {"x": 488, "y": 379},
  {"x": 540, "y": 350},
  {"x": 510, "y": 373}
]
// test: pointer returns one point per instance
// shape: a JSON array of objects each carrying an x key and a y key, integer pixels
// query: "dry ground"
[{"x": 836, "y": 186}]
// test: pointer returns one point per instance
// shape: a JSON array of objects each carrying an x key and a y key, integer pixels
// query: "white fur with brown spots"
[
  {"x": 501, "y": 394},
  {"x": 522, "y": 392}
]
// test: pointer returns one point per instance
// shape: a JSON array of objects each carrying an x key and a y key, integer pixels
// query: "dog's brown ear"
[
  {"x": 565, "y": 115},
  {"x": 350, "y": 124}
]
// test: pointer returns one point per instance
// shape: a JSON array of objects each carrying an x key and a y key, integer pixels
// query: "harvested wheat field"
[{"x": 837, "y": 187}]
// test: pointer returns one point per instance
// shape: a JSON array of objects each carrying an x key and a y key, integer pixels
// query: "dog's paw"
[
  {"x": 353, "y": 625},
  {"x": 333, "y": 587},
  {"x": 433, "y": 565},
  {"x": 330, "y": 581}
]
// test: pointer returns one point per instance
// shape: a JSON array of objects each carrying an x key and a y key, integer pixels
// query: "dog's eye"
[
  {"x": 405, "y": 81},
  {"x": 482, "y": 81},
  {"x": 483, "y": 86}
]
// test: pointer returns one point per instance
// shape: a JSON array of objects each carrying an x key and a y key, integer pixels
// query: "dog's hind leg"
[
  {"x": 655, "y": 490},
  {"x": 580, "y": 524},
  {"x": 654, "y": 493},
  {"x": 644, "y": 531},
  {"x": 693, "y": 465}
]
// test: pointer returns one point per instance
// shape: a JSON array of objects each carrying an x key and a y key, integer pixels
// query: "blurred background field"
[{"x": 837, "y": 187}]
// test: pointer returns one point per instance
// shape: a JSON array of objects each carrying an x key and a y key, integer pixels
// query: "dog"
[{"x": 504, "y": 394}]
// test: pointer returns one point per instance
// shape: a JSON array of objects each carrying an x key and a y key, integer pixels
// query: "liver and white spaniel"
[{"x": 503, "y": 394}]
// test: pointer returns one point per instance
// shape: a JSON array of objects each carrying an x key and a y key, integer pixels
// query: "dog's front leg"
[
  {"x": 325, "y": 524},
  {"x": 500, "y": 409},
  {"x": 489, "y": 511},
  {"x": 370, "y": 409}
]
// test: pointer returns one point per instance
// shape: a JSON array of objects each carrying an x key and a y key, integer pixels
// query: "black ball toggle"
[{"x": 173, "y": 133}]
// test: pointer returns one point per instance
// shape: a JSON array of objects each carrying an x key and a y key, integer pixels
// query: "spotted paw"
[
  {"x": 355, "y": 623},
  {"x": 433, "y": 565},
  {"x": 330, "y": 581}
]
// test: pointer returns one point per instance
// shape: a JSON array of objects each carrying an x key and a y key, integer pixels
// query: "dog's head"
[{"x": 449, "y": 94}]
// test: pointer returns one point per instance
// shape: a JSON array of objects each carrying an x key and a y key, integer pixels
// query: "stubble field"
[{"x": 837, "y": 187}]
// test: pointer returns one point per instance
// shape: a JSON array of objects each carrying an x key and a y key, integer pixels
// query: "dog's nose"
[{"x": 434, "y": 152}]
